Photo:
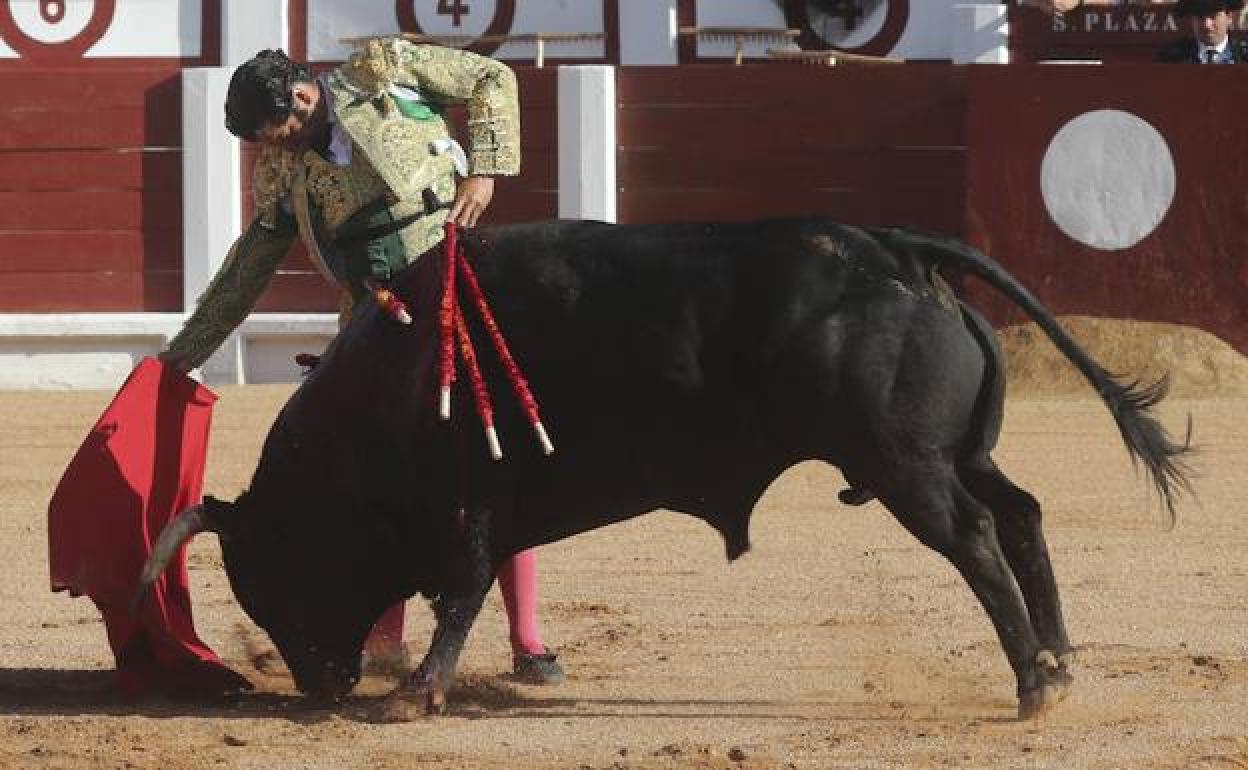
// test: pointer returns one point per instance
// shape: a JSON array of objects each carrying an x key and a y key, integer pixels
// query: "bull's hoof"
[
  {"x": 398, "y": 709},
  {"x": 540, "y": 668},
  {"x": 1037, "y": 703},
  {"x": 422, "y": 695},
  {"x": 406, "y": 706}
]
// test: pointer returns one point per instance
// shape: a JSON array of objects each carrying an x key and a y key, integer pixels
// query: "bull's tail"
[{"x": 1130, "y": 402}]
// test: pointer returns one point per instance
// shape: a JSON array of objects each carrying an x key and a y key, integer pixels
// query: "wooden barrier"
[
  {"x": 90, "y": 166},
  {"x": 956, "y": 150},
  {"x": 720, "y": 142},
  {"x": 90, "y": 191},
  {"x": 1192, "y": 269}
]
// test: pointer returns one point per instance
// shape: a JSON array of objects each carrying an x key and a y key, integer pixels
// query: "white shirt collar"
[
  {"x": 1220, "y": 48},
  {"x": 339, "y": 150}
]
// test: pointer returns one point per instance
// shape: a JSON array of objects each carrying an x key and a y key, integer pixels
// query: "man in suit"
[{"x": 1211, "y": 22}]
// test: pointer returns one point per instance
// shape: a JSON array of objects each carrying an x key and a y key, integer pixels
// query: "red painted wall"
[
  {"x": 879, "y": 145},
  {"x": 1193, "y": 269},
  {"x": 91, "y": 172},
  {"x": 90, "y": 214}
]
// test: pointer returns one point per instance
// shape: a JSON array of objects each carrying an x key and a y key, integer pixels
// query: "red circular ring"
[
  {"x": 34, "y": 50},
  {"x": 795, "y": 15},
  {"x": 55, "y": 17},
  {"x": 504, "y": 15}
]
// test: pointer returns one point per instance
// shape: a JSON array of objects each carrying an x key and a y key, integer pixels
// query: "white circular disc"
[
  {"x": 29, "y": 19},
  {"x": 1108, "y": 179}
]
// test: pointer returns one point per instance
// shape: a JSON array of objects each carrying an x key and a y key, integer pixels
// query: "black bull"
[{"x": 678, "y": 366}]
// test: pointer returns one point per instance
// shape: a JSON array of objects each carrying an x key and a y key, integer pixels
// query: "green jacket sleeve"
[{"x": 233, "y": 291}]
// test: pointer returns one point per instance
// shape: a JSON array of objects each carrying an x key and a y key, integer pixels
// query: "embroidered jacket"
[{"x": 388, "y": 99}]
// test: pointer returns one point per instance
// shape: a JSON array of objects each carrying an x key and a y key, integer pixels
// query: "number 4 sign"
[
  {"x": 460, "y": 18},
  {"x": 456, "y": 9}
]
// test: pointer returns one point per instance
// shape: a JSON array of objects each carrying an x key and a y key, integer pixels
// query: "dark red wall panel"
[
  {"x": 874, "y": 146},
  {"x": 1193, "y": 269}
]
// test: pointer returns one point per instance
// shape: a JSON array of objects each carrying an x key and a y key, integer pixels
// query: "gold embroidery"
[
  {"x": 272, "y": 178},
  {"x": 391, "y": 158}
]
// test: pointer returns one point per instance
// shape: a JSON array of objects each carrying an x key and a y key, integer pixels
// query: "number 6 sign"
[
  {"x": 54, "y": 30},
  {"x": 468, "y": 18}
]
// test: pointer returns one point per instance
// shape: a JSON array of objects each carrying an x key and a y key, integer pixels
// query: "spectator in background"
[{"x": 1211, "y": 22}]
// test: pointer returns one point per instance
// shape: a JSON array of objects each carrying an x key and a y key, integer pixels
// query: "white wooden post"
[
  {"x": 587, "y": 181},
  {"x": 211, "y": 199}
]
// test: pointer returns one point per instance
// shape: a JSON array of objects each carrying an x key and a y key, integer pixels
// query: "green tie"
[{"x": 414, "y": 109}]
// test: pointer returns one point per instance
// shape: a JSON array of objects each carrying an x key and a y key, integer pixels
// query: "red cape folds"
[{"x": 142, "y": 463}]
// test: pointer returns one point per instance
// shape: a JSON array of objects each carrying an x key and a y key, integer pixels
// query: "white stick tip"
[
  {"x": 404, "y": 317},
  {"x": 444, "y": 403},
  {"x": 547, "y": 447},
  {"x": 491, "y": 438}
]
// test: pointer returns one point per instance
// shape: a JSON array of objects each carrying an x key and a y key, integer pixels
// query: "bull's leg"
[
  {"x": 455, "y": 609},
  {"x": 1018, "y": 519},
  {"x": 937, "y": 510}
]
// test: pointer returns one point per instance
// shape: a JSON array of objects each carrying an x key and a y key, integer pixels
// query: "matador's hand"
[
  {"x": 179, "y": 361},
  {"x": 471, "y": 200}
]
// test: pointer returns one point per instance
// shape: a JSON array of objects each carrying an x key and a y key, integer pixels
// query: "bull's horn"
[{"x": 184, "y": 526}]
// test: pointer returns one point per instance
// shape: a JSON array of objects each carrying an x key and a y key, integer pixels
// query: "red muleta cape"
[{"x": 142, "y": 463}]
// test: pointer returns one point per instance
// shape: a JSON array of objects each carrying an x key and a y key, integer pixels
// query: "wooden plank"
[
  {"x": 91, "y": 292},
  {"x": 763, "y": 87},
  {"x": 54, "y": 251},
  {"x": 104, "y": 128},
  {"x": 878, "y": 122},
  {"x": 538, "y": 130},
  {"x": 539, "y": 88},
  {"x": 88, "y": 90},
  {"x": 539, "y": 170},
  {"x": 661, "y": 167},
  {"x": 912, "y": 207},
  {"x": 91, "y": 210},
  {"x": 48, "y": 170},
  {"x": 522, "y": 206}
]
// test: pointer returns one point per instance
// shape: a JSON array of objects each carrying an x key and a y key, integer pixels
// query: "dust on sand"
[{"x": 837, "y": 642}]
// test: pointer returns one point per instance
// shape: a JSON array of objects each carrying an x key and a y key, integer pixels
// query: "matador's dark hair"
[{"x": 260, "y": 92}]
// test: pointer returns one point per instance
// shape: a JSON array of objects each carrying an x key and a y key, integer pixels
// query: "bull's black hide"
[{"x": 677, "y": 366}]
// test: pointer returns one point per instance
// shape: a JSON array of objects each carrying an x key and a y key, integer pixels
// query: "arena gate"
[{"x": 90, "y": 151}]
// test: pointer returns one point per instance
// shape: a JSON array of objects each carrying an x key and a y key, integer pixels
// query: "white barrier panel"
[{"x": 587, "y": 178}]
